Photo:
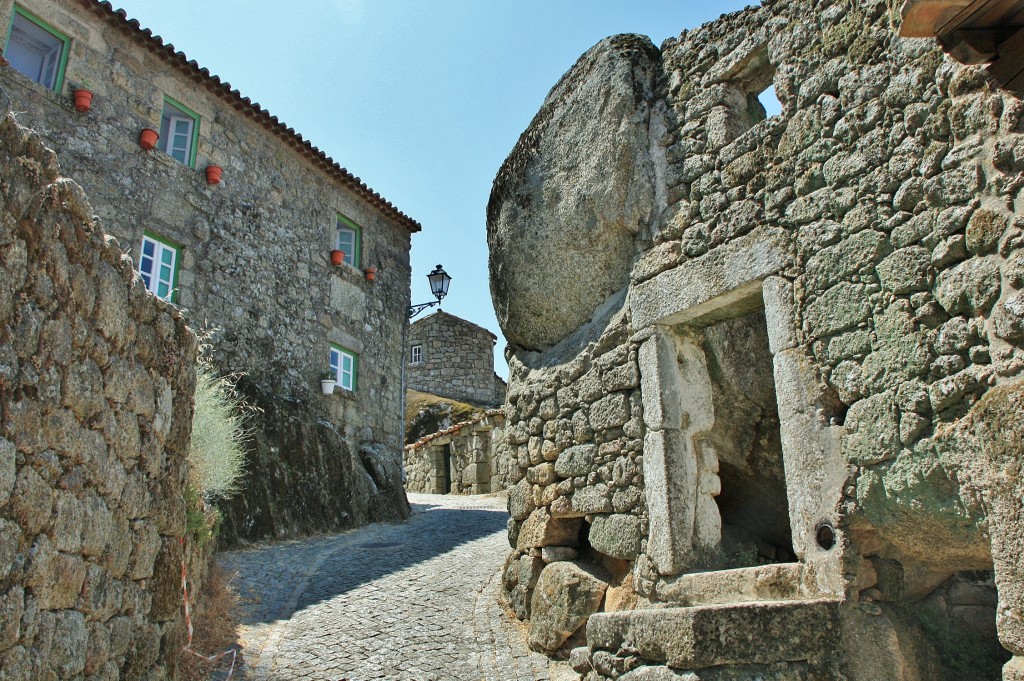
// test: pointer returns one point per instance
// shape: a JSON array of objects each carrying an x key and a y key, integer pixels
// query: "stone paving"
[{"x": 414, "y": 600}]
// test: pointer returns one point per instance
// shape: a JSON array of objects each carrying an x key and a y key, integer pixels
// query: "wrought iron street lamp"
[{"x": 439, "y": 281}]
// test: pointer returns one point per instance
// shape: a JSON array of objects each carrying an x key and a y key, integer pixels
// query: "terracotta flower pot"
[
  {"x": 83, "y": 100},
  {"x": 213, "y": 174},
  {"x": 371, "y": 273},
  {"x": 337, "y": 257},
  {"x": 148, "y": 138}
]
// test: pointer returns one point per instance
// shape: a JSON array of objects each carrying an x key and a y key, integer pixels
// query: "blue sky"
[{"x": 422, "y": 99}]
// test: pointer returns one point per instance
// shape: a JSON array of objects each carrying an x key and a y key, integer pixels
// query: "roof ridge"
[
  {"x": 223, "y": 89},
  {"x": 455, "y": 428},
  {"x": 458, "y": 318}
]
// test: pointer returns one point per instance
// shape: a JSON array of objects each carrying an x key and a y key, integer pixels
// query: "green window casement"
[
  {"x": 179, "y": 132},
  {"x": 345, "y": 367},
  {"x": 349, "y": 240},
  {"x": 158, "y": 265},
  {"x": 37, "y": 49}
]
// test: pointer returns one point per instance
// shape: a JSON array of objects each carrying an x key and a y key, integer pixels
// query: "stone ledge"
[{"x": 700, "y": 637}]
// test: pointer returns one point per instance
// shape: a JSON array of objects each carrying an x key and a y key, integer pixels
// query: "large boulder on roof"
[{"x": 569, "y": 199}]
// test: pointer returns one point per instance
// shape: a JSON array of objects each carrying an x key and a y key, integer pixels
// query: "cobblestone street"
[{"x": 416, "y": 600}]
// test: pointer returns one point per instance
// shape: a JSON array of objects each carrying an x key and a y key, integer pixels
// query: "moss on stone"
[{"x": 426, "y": 414}]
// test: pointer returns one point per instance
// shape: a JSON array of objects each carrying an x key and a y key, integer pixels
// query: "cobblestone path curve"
[{"x": 405, "y": 601}]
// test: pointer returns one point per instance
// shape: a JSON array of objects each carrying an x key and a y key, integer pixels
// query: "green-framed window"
[
  {"x": 345, "y": 367},
  {"x": 179, "y": 131},
  {"x": 37, "y": 49},
  {"x": 349, "y": 239},
  {"x": 158, "y": 265}
]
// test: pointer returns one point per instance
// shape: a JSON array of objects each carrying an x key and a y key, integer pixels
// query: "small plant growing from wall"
[
  {"x": 217, "y": 449},
  {"x": 216, "y": 471}
]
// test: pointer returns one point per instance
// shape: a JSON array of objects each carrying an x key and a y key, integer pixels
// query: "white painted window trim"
[
  {"x": 344, "y": 367},
  {"x": 170, "y": 148},
  {"x": 348, "y": 248},
  {"x": 150, "y": 270},
  {"x": 46, "y": 50}
]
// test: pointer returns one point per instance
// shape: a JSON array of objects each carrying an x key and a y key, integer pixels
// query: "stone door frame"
[{"x": 681, "y": 479}]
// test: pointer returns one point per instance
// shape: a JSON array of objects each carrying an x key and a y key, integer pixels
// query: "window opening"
[
  {"x": 36, "y": 49},
  {"x": 158, "y": 265},
  {"x": 344, "y": 367},
  {"x": 349, "y": 241},
  {"x": 770, "y": 102},
  {"x": 417, "y": 354},
  {"x": 179, "y": 132}
]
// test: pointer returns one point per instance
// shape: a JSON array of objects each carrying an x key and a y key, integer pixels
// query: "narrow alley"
[{"x": 416, "y": 600}]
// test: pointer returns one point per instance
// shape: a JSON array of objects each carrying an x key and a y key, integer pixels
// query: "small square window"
[
  {"x": 179, "y": 132},
  {"x": 349, "y": 240},
  {"x": 158, "y": 265},
  {"x": 417, "y": 354},
  {"x": 344, "y": 366},
  {"x": 37, "y": 50}
]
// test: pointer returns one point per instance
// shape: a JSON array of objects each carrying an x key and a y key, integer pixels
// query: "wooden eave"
[
  {"x": 118, "y": 18},
  {"x": 989, "y": 32}
]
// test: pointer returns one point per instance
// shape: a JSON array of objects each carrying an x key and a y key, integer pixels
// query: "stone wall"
[
  {"x": 96, "y": 383},
  {"x": 457, "y": 360},
  {"x": 463, "y": 459},
  {"x": 254, "y": 257},
  {"x": 767, "y": 359}
]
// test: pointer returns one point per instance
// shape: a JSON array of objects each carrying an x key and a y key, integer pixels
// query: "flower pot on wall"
[
  {"x": 83, "y": 100},
  {"x": 337, "y": 257},
  {"x": 327, "y": 386},
  {"x": 371, "y": 273},
  {"x": 213, "y": 174},
  {"x": 148, "y": 138}
]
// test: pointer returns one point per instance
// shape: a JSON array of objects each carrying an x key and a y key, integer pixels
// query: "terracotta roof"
[
  {"x": 118, "y": 18},
  {"x": 456, "y": 428}
]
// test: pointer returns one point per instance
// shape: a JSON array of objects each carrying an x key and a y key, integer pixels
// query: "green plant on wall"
[{"x": 217, "y": 449}]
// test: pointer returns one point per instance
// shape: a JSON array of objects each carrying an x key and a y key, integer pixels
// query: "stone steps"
[
  {"x": 776, "y": 582},
  {"x": 695, "y": 638}
]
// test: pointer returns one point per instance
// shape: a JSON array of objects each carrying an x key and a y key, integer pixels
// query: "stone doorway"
[
  {"x": 447, "y": 462},
  {"x": 741, "y": 436},
  {"x": 714, "y": 459}
]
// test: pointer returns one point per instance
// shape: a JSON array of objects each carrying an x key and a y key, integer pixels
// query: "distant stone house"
[
  {"x": 246, "y": 258},
  {"x": 460, "y": 459},
  {"x": 451, "y": 357}
]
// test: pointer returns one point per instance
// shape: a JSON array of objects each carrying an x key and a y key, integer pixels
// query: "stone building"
[
  {"x": 771, "y": 424},
  {"x": 233, "y": 217},
  {"x": 451, "y": 357},
  {"x": 460, "y": 459}
]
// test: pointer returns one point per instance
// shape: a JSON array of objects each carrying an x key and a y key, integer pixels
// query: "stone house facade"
[
  {"x": 771, "y": 426},
  {"x": 460, "y": 459},
  {"x": 451, "y": 357},
  {"x": 246, "y": 259}
]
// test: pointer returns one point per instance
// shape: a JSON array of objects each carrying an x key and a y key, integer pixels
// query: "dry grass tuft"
[{"x": 215, "y": 617}]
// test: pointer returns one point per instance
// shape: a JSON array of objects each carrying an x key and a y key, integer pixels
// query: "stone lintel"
[{"x": 720, "y": 284}]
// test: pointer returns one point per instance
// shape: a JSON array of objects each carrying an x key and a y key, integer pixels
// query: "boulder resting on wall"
[{"x": 570, "y": 198}]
